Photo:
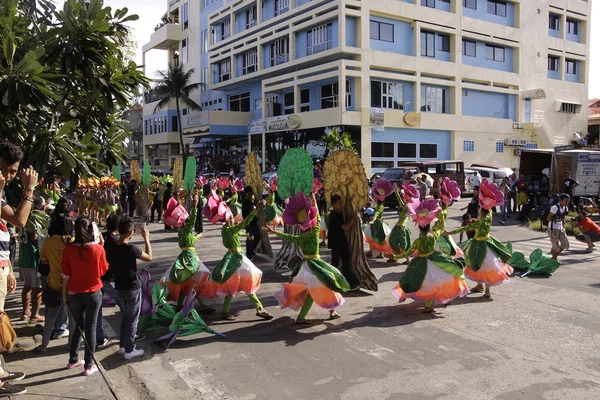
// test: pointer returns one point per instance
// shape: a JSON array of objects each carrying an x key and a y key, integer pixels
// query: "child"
[
  {"x": 338, "y": 242},
  {"x": 466, "y": 220},
  {"x": 122, "y": 260}
]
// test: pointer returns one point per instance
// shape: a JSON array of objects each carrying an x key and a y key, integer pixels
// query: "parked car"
[{"x": 490, "y": 174}]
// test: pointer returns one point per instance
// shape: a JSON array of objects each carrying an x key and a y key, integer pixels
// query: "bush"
[{"x": 536, "y": 225}]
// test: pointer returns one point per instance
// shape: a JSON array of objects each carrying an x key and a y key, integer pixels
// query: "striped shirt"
[{"x": 4, "y": 242}]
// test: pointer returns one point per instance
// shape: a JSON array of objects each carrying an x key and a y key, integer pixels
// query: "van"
[
  {"x": 453, "y": 169},
  {"x": 492, "y": 175}
]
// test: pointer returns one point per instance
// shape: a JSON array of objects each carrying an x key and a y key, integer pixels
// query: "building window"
[
  {"x": 281, "y": 6},
  {"x": 494, "y": 53},
  {"x": 209, "y": 3},
  {"x": 570, "y": 67},
  {"x": 499, "y": 147},
  {"x": 280, "y": 51},
  {"x": 387, "y": 95},
  {"x": 382, "y": 150},
  {"x": 382, "y": 31},
  {"x": 496, "y": 7},
  {"x": 572, "y": 26},
  {"x": 184, "y": 111},
  {"x": 469, "y": 48},
  {"x": 407, "y": 150},
  {"x": 251, "y": 17},
  {"x": 329, "y": 95},
  {"x": 348, "y": 93},
  {"x": 318, "y": 39},
  {"x": 469, "y": 145},
  {"x": 435, "y": 100},
  {"x": 184, "y": 51},
  {"x": 185, "y": 15},
  {"x": 428, "y": 150},
  {"x": 146, "y": 127},
  {"x": 223, "y": 71},
  {"x": 204, "y": 79},
  {"x": 225, "y": 29},
  {"x": 568, "y": 108},
  {"x": 249, "y": 62},
  {"x": 304, "y": 100},
  {"x": 174, "y": 123},
  {"x": 428, "y": 3},
  {"x": 288, "y": 103},
  {"x": 239, "y": 102},
  {"x": 427, "y": 44},
  {"x": 472, "y": 4},
  {"x": 531, "y": 146},
  {"x": 554, "y": 22},
  {"x": 553, "y": 63},
  {"x": 444, "y": 43},
  {"x": 203, "y": 41}
]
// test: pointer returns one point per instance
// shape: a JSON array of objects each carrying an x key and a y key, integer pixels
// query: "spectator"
[
  {"x": 473, "y": 206},
  {"x": 529, "y": 205},
  {"x": 544, "y": 189},
  {"x": 466, "y": 220},
  {"x": 476, "y": 179},
  {"x": 590, "y": 232},
  {"x": 422, "y": 188},
  {"x": 512, "y": 180},
  {"x": 10, "y": 158},
  {"x": 157, "y": 204},
  {"x": 29, "y": 261},
  {"x": 131, "y": 195},
  {"x": 505, "y": 208},
  {"x": 570, "y": 185},
  {"x": 167, "y": 194},
  {"x": 83, "y": 265},
  {"x": 51, "y": 255},
  {"x": 122, "y": 259},
  {"x": 556, "y": 229}
]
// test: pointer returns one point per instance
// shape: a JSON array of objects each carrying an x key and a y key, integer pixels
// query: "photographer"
[
  {"x": 590, "y": 231},
  {"x": 556, "y": 229}
]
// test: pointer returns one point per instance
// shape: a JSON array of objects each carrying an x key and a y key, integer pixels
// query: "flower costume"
[
  {"x": 431, "y": 276},
  {"x": 188, "y": 272},
  {"x": 272, "y": 211},
  {"x": 400, "y": 239},
  {"x": 377, "y": 233},
  {"x": 485, "y": 256},
  {"x": 312, "y": 279}
]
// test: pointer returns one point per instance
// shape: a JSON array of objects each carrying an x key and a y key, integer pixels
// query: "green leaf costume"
[
  {"x": 377, "y": 230},
  {"x": 295, "y": 173},
  {"x": 400, "y": 236},
  {"x": 187, "y": 263},
  {"x": 272, "y": 210}
]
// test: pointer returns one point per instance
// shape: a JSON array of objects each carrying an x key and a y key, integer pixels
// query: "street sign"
[{"x": 563, "y": 148}]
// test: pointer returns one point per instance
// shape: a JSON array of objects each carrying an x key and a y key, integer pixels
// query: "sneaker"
[
  {"x": 135, "y": 353},
  {"x": 63, "y": 334},
  {"x": 90, "y": 371},
  {"x": 75, "y": 364},
  {"x": 139, "y": 337},
  {"x": 102, "y": 343},
  {"x": 13, "y": 376},
  {"x": 8, "y": 390},
  {"x": 121, "y": 350}
]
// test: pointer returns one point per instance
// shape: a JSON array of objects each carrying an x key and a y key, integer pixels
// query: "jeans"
[
  {"x": 505, "y": 209},
  {"x": 85, "y": 308},
  {"x": 61, "y": 321},
  {"x": 130, "y": 302},
  {"x": 343, "y": 253},
  {"x": 109, "y": 289}
]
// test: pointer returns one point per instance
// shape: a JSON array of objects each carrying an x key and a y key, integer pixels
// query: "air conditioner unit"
[
  {"x": 517, "y": 125},
  {"x": 522, "y": 142},
  {"x": 511, "y": 142},
  {"x": 517, "y": 152}
]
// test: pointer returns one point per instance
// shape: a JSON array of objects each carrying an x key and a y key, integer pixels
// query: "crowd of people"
[{"x": 73, "y": 268}]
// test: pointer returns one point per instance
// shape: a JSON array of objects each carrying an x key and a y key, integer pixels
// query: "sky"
[{"x": 150, "y": 12}]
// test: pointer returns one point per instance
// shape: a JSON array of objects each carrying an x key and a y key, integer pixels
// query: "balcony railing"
[{"x": 152, "y": 95}]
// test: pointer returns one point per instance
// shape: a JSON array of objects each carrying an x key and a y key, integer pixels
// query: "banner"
[
  {"x": 377, "y": 119},
  {"x": 257, "y": 126}
]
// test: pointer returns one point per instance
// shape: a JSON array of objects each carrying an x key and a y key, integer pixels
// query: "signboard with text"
[{"x": 588, "y": 174}]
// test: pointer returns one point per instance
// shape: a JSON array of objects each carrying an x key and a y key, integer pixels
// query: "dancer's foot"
[
  {"x": 227, "y": 316},
  {"x": 304, "y": 321},
  {"x": 334, "y": 314},
  {"x": 488, "y": 292},
  {"x": 428, "y": 310},
  {"x": 477, "y": 289},
  {"x": 262, "y": 313}
]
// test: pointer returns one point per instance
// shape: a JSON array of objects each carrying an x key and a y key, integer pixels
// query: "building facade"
[{"x": 408, "y": 79}]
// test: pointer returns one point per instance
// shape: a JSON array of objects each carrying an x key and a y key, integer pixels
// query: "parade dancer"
[
  {"x": 235, "y": 272},
  {"x": 272, "y": 211},
  {"x": 188, "y": 272},
  {"x": 486, "y": 257},
  {"x": 377, "y": 233},
  {"x": 233, "y": 202},
  {"x": 431, "y": 276},
  {"x": 400, "y": 239},
  {"x": 312, "y": 280},
  {"x": 449, "y": 192}
]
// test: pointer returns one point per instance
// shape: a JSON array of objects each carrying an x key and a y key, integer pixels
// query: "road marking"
[{"x": 192, "y": 373}]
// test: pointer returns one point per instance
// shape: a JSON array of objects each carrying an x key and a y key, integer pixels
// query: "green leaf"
[
  {"x": 476, "y": 254},
  {"x": 518, "y": 262},
  {"x": 8, "y": 45},
  {"x": 412, "y": 279},
  {"x": 536, "y": 255}
]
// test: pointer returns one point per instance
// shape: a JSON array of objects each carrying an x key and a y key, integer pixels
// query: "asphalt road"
[{"x": 537, "y": 338}]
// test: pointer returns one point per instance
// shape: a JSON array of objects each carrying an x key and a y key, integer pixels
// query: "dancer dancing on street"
[
  {"x": 449, "y": 192},
  {"x": 400, "y": 239},
  {"x": 313, "y": 280},
  {"x": 377, "y": 233},
  {"x": 431, "y": 276}
]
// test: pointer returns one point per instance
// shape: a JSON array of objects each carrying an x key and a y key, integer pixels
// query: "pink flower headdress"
[{"x": 299, "y": 211}]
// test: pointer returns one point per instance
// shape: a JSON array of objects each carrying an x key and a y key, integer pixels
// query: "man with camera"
[
  {"x": 590, "y": 232},
  {"x": 556, "y": 226}
]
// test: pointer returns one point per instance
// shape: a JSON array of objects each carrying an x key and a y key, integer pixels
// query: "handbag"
[
  {"x": 8, "y": 335},
  {"x": 51, "y": 297}
]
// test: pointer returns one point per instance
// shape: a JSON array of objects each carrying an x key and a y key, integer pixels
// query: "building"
[
  {"x": 135, "y": 126},
  {"x": 593, "y": 138},
  {"x": 409, "y": 79}
]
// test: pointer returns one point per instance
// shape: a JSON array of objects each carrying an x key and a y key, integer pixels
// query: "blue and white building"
[{"x": 409, "y": 79}]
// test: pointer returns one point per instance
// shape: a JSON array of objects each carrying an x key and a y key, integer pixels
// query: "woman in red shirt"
[{"x": 83, "y": 265}]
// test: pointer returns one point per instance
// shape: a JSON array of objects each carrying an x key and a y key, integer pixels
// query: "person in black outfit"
[
  {"x": 157, "y": 204},
  {"x": 531, "y": 204},
  {"x": 199, "y": 228},
  {"x": 473, "y": 206},
  {"x": 131, "y": 191},
  {"x": 570, "y": 184},
  {"x": 338, "y": 243},
  {"x": 167, "y": 194},
  {"x": 252, "y": 229},
  {"x": 123, "y": 198}
]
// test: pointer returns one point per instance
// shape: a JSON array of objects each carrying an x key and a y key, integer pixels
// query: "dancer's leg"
[
  {"x": 260, "y": 311},
  {"x": 305, "y": 309},
  {"x": 428, "y": 305},
  {"x": 225, "y": 314}
]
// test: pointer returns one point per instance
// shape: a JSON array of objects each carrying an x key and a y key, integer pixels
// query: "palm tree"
[
  {"x": 175, "y": 84},
  {"x": 335, "y": 139}
]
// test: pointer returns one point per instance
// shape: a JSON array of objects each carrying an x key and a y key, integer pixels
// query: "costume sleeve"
[
  {"x": 413, "y": 247},
  {"x": 290, "y": 238},
  {"x": 399, "y": 199},
  {"x": 237, "y": 228},
  {"x": 378, "y": 212},
  {"x": 468, "y": 227}
]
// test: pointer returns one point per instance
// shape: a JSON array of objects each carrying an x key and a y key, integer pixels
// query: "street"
[{"x": 537, "y": 338}]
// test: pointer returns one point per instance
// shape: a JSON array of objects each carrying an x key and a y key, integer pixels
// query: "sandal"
[
  {"x": 428, "y": 310},
  {"x": 40, "y": 350},
  {"x": 335, "y": 315},
  {"x": 227, "y": 317},
  {"x": 264, "y": 315},
  {"x": 37, "y": 320},
  {"x": 476, "y": 290}
]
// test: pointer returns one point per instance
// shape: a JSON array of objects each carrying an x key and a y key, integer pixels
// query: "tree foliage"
[
  {"x": 65, "y": 79},
  {"x": 335, "y": 140}
]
